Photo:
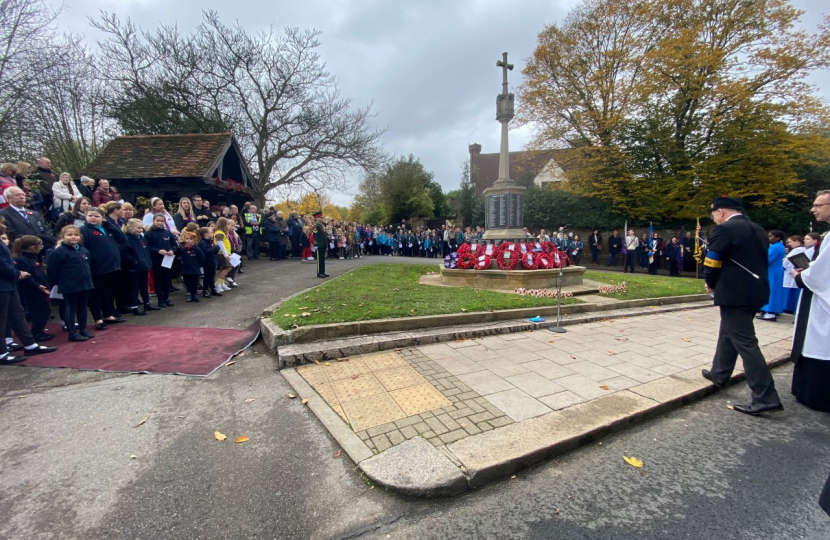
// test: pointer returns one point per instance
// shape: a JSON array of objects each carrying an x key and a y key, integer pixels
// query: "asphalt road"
[{"x": 67, "y": 441}]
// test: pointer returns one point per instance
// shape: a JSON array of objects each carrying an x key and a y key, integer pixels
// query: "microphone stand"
[{"x": 558, "y": 328}]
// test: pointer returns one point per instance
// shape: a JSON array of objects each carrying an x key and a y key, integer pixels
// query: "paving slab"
[{"x": 491, "y": 405}]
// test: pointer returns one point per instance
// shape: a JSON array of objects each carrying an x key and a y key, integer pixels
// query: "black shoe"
[
  {"x": 214, "y": 292},
  {"x": 708, "y": 376},
  {"x": 12, "y": 347},
  {"x": 322, "y": 276},
  {"x": 150, "y": 307},
  {"x": 117, "y": 320},
  {"x": 168, "y": 303},
  {"x": 161, "y": 305},
  {"x": 77, "y": 337},
  {"x": 240, "y": 271},
  {"x": 86, "y": 333},
  {"x": 123, "y": 310},
  {"x": 755, "y": 410},
  {"x": 190, "y": 299},
  {"x": 100, "y": 326},
  {"x": 174, "y": 289},
  {"x": 10, "y": 359},
  {"x": 137, "y": 312},
  {"x": 206, "y": 294},
  {"x": 196, "y": 298},
  {"x": 44, "y": 337},
  {"x": 40, "y": 349}
]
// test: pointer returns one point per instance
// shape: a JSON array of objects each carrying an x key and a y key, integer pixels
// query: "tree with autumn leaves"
[{"x": 667, "y": 104}]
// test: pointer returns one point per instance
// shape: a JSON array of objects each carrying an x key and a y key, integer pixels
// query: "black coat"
[
  {"x": 209, "y": 251},
  {"x": 160, "y": 239},
  {"x": 671, "y": 250},
  {"x": 614, "y": 244},
  {"x": 736, "y": 242},
  {"x": 193, "y": 259},
  {"x": 105, "y": 256},
  {"x": 17, "y": 226},
  {"x": 30, "y": 262},
  {"x": 181, "y": 223},
  {"x": 66, "y": 219},
  {"x": 111, "y": 226},
  {"x": 68, "y": 268},
  {"x": 8, "y": 272},
  {"x": 135, "y": 254}
]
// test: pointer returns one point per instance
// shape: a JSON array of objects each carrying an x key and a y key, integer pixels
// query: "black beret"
[
  {"x": 728, "y": 203},
  {"x": 318, "y": 213}
]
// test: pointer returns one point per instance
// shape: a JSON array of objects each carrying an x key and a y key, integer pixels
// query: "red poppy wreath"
[
  {"x": 530, "y": 260},
  {"x": 508, "y": 256}
]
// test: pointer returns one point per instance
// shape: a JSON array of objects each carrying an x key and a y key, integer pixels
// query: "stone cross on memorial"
[{"x": 504, "y": 202}]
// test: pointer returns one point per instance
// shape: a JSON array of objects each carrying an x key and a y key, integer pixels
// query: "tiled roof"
[
  {"x": 485, "y": 167},
  {"x": 160, "y": 156}
]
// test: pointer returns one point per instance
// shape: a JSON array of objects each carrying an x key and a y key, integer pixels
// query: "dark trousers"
[
  {"x": 295, "y": 245},
  {"x": 162, "y": 280},
  {"x": 594, "y": 254},
  {"x": 612, "y": 259},
  {"x": 629, "y": 261},
  {"x": 653, "y": 267},
  {"x": 737, "y": 336},
  {"x": 122, "y": 290},
  {"x": 273, "y": 250},
  {"x": 39, "y": 308},
  {"x": 643, "y": 256},
  {"x": 12, "y": 316},
  {"x": 137, "y": 283},
  {"x": 191, "y": 283},
  {"x": 76, "y": 304},
  {"x": 100, "y": 299},
  {"x": 321, "y": 260},
  {"x": 674, "y": 267},
  {"x": 252, "y": 245},
  {"x": 445, "y": 248},
  {"x": 209, "y": 279}
]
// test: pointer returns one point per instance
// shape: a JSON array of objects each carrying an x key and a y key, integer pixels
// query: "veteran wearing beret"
[{"x": 735, "y": 271}]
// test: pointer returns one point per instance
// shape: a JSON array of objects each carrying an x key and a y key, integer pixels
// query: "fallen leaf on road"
[
  {"x": 634, "y": 462},
  {"x": 337, "y": 454},
  {"x": 573, "y": 357},
  {"x": 398, "y": 349},
  {"x": 232, "y": 362},
  {"x": 730, "y": 407},
  {"x": 513, "y": 477},
  {"x": 612, "y": 353},
  {"x": 133, "y": 456},
  {"x": 250, "y": 400},
  {"x": 291, "y": 396},
  {"x": 327, "y": 364},
  {"x": 342, "y": 359},
  {"x": 305, "y": 400},
  {"x": 219, "y": 436},
  {"x": 242, "y": 439},
  {"x": 687, "y": 339},
  {"x": 20, "y": 397},
  {"x": 355, "y": 376},
  {"x": 143, "y": 421},
  {"x": 317, "y": 362},
  {"x": 557, "y": 511},
  {"x": 604, "y": 387}
]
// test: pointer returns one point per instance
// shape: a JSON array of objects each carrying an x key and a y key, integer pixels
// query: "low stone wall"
[{"x": 509, "y": 280}]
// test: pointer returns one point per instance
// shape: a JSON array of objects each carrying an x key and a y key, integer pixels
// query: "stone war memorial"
[{"x": 507, "y": 259}]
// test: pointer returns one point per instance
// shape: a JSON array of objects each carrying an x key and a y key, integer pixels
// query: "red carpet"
[{"x": 147, "y": 349}]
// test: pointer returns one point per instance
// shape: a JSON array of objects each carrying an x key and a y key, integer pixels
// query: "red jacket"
[{"x": 100, "y": 197}]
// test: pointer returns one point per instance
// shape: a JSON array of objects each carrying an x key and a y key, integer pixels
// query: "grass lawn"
[
  {"x": 381, "y": 291},
  {"x": 647, "y": 286}
]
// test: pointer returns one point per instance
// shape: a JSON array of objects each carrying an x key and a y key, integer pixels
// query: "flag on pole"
[
  {"x": 625, "y": 235},
  {"x": 697, "y": 241},
  {"x": 651, "y": 243}
]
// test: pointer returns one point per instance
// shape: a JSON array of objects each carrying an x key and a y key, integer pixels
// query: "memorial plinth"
[{"x": 509, "y": 280}]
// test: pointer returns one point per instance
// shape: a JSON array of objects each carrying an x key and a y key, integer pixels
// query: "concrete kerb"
[
  {"x": 275, "y": 337},
  {"x": 301, "y": 353},
  {"x": 414, "y": 470}
]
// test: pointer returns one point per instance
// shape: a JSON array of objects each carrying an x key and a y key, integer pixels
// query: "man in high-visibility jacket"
[{"x": 252, "y": 221}]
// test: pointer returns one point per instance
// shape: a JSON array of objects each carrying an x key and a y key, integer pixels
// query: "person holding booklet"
[{"x": 796, "y": 245}]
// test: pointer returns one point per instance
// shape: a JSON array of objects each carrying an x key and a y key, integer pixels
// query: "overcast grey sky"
[{"x": 428, "y": 65}]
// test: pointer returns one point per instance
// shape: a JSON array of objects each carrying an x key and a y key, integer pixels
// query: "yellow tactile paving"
[
  {"x": 372, "y": 411},
  {"x": 326, "y": 392},
  {"x": 383, "y": 360},
  {"x": 342, "y": 370},
  {"x": 313, "y": 375},
  {"x": 351, "y": 389},
  {"x": 421, "y": 398},
  {"x": 397, "y": 378},
  {"x": 339, "y": 410}
]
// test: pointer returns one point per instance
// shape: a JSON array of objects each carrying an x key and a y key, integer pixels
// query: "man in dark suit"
[
  {"x": 21, "y": 221},
  {"x": 735, "y": 270}
]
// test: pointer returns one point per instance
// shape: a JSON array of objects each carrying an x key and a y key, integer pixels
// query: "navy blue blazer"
[
  {"x": 103, "y": 249},
  {"x": 135, "y": 254},
  {"x": 68, "y": 268}
]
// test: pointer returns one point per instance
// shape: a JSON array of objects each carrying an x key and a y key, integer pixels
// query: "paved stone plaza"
[{"x": 446, "y": 392}]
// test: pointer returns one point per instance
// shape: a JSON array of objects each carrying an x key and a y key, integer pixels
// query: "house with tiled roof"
[
  {"x": 537, "y": 167},
  {"x": 175, "y": 166}
]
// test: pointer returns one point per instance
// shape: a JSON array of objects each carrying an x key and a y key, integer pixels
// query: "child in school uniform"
[
  {"x": 209, "y": 251},
  {"x": 136, "y": 263},
  {"x": 34, "y": 291},
  {"x": 162, "y": 243},
  {"x": 105, "y": 262},
  {"x": 222, "y": 238},
  {"x": 306, "y": 240},
  {"x": 193, "y": 260},
  {"x": 68, "y": 267}
]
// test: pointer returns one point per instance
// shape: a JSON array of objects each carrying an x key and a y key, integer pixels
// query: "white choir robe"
[
  {"x": 817, "y": 279},
  {"x": 789, "y": 280}
]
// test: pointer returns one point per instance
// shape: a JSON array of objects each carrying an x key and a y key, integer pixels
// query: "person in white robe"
[{"x": 811, "y": 342}]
